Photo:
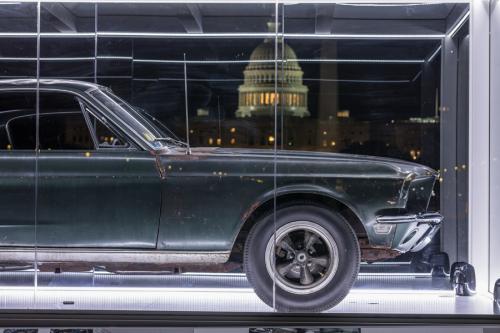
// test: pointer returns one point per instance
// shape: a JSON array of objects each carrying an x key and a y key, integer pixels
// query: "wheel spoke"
[
  {"x": 286, "y": 244},
  {"x": 305, "y": 276},
  {"x": 310, "y": 240},
  {"x": 284, "y": 269},
  {"x": 321, "y": 261}
]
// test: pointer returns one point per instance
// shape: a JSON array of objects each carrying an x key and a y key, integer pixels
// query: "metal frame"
[
  {"x": 494, "y": 230},
  {"x": 448, "y": 148},
  {"x": 454, "y": 139},
  {"x": 71, "y": 318},
  {"x": 481, "y": 208},
  {"x": 366, "y": 2},
  {"x": 479, "y": 141}
]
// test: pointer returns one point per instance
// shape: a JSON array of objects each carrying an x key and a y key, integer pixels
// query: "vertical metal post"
[
  {"x": 462, "y": 140},
  {"x": 448, "y": 147},
  {"x": 95, "y": 42},
  {"x": 37, "y": 144},
  {"x": 188, "y": 151},
  {"x": 275, "y": 145},
  {"x": 479, "y": 140},
  {"x": 494, "y": 230}
]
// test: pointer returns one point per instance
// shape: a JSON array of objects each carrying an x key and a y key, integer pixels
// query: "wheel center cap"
[{"x": 301, "y": 257}]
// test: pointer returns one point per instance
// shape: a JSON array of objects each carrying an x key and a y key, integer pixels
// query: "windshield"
[{"x": 135, "y": 118}]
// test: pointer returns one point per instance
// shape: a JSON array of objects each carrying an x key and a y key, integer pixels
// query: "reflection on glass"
[
  {"x": 17, "y": 169},
  {"x": 17, "y": 147},
  {"x": 257, "y": 96},
  {"x": 119, "y": 191}
]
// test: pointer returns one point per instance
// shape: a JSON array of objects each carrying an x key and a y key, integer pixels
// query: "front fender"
[
  {"x": 350, "y": 196},
  {"x": 266, "y": 199},
  {"x": 300, "y": 189}
]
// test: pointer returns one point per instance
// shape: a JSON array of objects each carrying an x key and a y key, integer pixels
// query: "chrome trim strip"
[
  {"x": 405, "y": 188},
  {"x": 427, "y": 239},
  {"x": 432, "y": 218},
  {"x": 10, "y": 254}
]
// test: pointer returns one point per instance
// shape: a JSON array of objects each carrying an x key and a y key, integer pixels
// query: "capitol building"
[
  {"x": 326, "y": 128},
  {"x": 257, "y": 94}
]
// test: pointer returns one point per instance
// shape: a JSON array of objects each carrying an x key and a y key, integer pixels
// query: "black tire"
[{"x": 334, "y": 290}]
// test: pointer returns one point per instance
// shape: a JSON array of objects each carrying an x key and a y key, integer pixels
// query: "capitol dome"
[{"x": 257, "y": 93}]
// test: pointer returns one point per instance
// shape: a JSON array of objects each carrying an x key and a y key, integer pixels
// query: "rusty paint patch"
[
  {"x": 370, "y": 253},
  {"x": 250, "y": 210},
  {"x": 159, "y": 167}
]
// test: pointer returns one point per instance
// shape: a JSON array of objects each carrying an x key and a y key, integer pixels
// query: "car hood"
[{"x": 400, "y": 165}]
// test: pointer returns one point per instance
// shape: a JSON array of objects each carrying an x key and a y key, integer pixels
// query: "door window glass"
[
  {"x": 62, "y": 124},
  {"x": 106, "y": 138},
  {"x": 17, "y": 120}
]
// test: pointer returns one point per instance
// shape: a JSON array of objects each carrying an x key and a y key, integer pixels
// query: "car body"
[{"x": 154, "y": 200}]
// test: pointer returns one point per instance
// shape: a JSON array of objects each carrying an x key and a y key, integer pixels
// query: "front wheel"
[{"x": 310, "y": 258}]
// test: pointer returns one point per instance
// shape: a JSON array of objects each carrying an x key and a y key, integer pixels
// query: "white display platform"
[{"x": 373, "y": 293}]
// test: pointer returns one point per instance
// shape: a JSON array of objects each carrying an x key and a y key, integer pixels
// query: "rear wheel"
[{"x": 312, "y": 255}]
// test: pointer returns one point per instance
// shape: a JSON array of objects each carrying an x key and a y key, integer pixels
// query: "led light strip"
[
  {"x": 357, "y": 81},
  {"x": 17, "y": 59},
  {"x": 68, "y": 59},
  {"x": 378, "y": 3},
  {"x": 457, "y": 26},
  {"x": 209, "y": 62},
  {"x": 434, "y": 54},
  {"x": 369, "y": 61},
  {"x": 131, "y": 34},
  {"x": 364, "y": 36},
  {"x": 249, "y": 290}
]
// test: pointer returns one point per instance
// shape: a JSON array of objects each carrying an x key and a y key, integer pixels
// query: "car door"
[
  {"x": 96, "y": 190},
  {"x": 17, "y": 168}
]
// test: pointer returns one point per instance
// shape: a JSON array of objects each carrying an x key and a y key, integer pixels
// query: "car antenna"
[{"x": 188, "y": 151}]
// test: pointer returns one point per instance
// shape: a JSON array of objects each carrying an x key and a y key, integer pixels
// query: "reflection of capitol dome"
[{"x": 257, "y": 95}]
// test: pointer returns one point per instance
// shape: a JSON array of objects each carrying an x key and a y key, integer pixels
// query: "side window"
[
  {"x": 106, "y": 137},
  {"x": 62, "y": 124},
  {"x": 17, "y": 120}
]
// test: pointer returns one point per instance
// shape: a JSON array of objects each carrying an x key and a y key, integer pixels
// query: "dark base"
[
  {"x": 496, "y": 297},
  {"x": 440, "y": 263}
]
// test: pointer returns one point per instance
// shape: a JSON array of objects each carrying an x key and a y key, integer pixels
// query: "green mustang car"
[{"x": 85, "y": 177}]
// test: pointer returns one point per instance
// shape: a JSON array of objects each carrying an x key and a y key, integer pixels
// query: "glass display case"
[{"x": 248, "y": 156}]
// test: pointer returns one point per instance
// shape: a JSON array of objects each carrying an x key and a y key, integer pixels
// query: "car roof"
[{"x": 48, "y": 83}]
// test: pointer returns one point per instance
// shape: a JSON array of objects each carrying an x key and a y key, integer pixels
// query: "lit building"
[{"x": 258, "y": 94}]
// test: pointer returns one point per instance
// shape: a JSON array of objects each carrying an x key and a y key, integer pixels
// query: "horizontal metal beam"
[
  {"x": 367, "y": 2},
  {"x": 73, "y": 318}
]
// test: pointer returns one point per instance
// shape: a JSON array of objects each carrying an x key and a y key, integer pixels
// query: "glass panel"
[
  {"x": 17, "y": 151},
  {"x": 131, "y": 206},
  {"x": 62, "y": 125},
  {"x": 19, "y": 18},
  {"x": 369, "y": 106},
  {"x": 105, "y": 135},
  {"x": 17, "y": 40},
  {"x": 67, "y": 49},
  {"x": 235, "y": 156},
  {"x": 182, "y": 18},
  {"x": 495, "y": 152},
  {"x": 67, "y": 18}
]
